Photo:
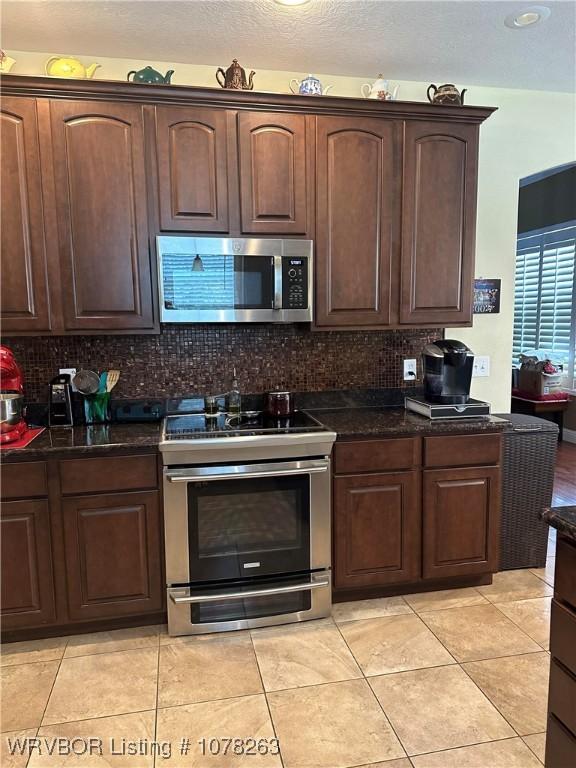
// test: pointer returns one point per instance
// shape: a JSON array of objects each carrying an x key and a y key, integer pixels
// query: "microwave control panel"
[{"x": 294, "y": 283}]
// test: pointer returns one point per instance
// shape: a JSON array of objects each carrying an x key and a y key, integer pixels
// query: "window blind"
[{"x": 544, "y": 294}]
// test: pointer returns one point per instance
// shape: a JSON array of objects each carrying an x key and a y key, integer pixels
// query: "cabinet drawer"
[
  {"x": 121, "y": 473},
  {"x": 563, "y": 636},
  {"x": 562, "y": 696},
  {"x": 565, "y": 573},
  {"x": 24, "y": 480},
  {"x": 376, "y": 455},
  {"x": 461, "y": 451},
  {"x": 560, "y": 746}
]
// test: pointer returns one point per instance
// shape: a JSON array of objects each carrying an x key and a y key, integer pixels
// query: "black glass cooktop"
[{"x": 195, "y": 425}]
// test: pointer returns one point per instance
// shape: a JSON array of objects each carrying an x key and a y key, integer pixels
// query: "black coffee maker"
[{"x": 447, "y": 366}]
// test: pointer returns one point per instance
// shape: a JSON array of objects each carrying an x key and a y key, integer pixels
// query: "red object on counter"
[
  {"x": 11, "y": 382},
  {"x": 26, "y": 438},
  {"x": 551, "y": 396}
]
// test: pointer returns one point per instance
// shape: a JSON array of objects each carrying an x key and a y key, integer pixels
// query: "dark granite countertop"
[
  {"x": 563, "y": 519},
  {"x": 98, "y": 440},
  {"x": 359, "y": 423}
]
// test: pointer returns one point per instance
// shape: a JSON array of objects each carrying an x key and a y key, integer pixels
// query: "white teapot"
[{"x": 379, "y": 90}]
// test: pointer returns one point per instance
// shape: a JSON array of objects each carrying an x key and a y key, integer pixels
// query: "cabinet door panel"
[
  {"x": 376, "y": 529},
  {"x": 439, "y": 212},
  {"x": 461, "y": 521},
  {"x": 273, "y": 173},
  {"x": 192, "y": 169},
  {"x": 358, "y": 185},
  {"x": 27, "y": 582},
  {"x": 113, "y": 554},
  {"x": 99, "y": 169},
  {"x": 24, "y": 291}
]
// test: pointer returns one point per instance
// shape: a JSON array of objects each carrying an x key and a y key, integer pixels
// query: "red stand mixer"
[{"x": 12, "y": 425}]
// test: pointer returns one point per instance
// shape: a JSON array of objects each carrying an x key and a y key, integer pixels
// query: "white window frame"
[{"x": 541, "y": 238}]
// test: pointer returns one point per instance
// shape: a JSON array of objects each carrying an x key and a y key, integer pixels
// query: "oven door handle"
[
  {"x": 175, "y": 477},
  {"x": 304, "y": 587}
]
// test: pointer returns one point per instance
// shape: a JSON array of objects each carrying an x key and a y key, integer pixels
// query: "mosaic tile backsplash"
[{"x": 199, "y": 359}]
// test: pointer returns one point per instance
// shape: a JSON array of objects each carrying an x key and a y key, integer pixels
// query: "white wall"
[{"x": 531, "y": 131}]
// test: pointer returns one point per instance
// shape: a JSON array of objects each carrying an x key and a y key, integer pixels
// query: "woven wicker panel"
[{"x": 527, "y": 484}]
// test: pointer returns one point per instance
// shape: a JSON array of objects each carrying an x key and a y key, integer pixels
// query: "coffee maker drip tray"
[{"x": 470, "y": 410}]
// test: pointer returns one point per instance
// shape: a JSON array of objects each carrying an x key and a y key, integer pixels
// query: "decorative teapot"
[
  {"x": 68, "y": 66},
  {"x": 446, "y": 94},
  {"x": 150, "y": 75},
  {"x": 379, "y": 90},
  {"x": 235, "y": 77},
  {"x": 310, "y": 86},
  {"x": 6, "y": 62}
]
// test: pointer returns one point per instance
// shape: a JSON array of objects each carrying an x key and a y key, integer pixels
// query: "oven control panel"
[{"x": 294, "y": 283}]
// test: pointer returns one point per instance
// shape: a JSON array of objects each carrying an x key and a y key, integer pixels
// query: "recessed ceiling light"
[
  {"x": 292, "y": 2},
  {"x": 528, "y": 17}
]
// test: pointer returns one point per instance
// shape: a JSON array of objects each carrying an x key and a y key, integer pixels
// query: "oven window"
[
  {"x": 202, "y": 281},
  {"x": 249, "y": 527}
]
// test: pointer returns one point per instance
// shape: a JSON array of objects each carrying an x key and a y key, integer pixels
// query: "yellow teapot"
[{"x": 62, "y": 66}]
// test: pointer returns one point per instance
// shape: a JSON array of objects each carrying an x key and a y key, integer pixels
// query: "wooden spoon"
[{"x": 113, "y": 377}]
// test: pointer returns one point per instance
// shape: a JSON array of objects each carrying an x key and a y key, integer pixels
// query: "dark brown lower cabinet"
[
  {"x": 376, "y": 529},
  {"x": 113, "y": 554},
  {"x": 26, "y": 557},
  {"x": 460, "y": 521},
  {"x": 561, "y": 733}
]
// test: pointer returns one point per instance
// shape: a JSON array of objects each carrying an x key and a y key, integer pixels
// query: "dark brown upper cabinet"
[
  {"x": 101, "y": 211},
  {"x": 24, "y": 298},
  {"x": 273, "y": 173},
  {"x": 191, "y": 145},
  {"x": 358, "y": 188},
  {"x": 438, "y": 223}
]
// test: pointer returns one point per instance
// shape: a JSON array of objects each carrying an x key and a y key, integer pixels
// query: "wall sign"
[{"x": 486, "y": 296}]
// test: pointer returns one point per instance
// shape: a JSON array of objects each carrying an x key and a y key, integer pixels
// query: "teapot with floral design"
[{"x": 379, "y": 89}]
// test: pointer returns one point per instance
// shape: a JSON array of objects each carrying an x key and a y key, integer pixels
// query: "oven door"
[
  {"x": 224, "y": 523},
  {"x": 241, "y": 605}
]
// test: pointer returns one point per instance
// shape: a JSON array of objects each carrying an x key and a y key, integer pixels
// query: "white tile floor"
[{"x": 452, "y": 679}]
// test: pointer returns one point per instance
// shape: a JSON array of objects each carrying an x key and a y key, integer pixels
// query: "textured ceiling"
[{"x": 463, "y": 41}]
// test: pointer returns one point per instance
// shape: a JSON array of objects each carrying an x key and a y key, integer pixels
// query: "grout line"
[
  {"x": 266, "y": 699},
  {"x": 374, "y": 694},
  {"x": 465, "y": 746},
  {"x": 98, "y": 717},
  {"x": 540, "y": 733},
  {"x": 156, "y": 707}
]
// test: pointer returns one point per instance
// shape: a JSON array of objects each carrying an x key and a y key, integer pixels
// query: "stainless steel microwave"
[{"x": 234, "y": 280}]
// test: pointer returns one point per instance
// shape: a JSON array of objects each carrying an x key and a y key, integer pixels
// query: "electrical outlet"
[
  {"x": 410, "y": 369},
  {"x": 481, "y": 366},
  {"x": 72, "y": 372}
]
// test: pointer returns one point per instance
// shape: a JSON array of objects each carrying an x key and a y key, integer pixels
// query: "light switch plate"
[
  {"x": 481, "y": 366},
  {"x": 410, "y": 369}
]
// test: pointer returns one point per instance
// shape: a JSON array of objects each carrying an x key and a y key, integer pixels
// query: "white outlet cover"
[
  {"x": 410, "y": 371},
  {"x": 481, "y": 366}
]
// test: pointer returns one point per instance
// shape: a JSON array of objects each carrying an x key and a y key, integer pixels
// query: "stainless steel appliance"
[
  {"x": 60, "y": 402},
  {"x": 234, "y": 280},
  {"x": 447, "y": 365},
  {"x": 247, "y": 521}
]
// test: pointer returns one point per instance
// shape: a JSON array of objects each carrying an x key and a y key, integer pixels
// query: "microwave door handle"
[
  {"x": 277, "y": 290},
  {"x": 174, "y": 477},
  {"x": 303, "y": 587}
]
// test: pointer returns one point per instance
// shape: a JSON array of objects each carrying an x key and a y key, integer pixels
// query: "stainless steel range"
[{"x": 247, "y": 521}]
